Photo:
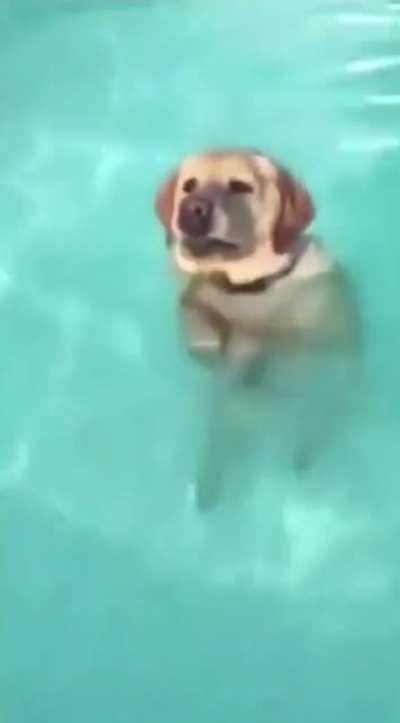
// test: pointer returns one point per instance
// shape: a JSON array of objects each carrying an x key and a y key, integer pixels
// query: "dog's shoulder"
[{"x": 314, "y": 259}]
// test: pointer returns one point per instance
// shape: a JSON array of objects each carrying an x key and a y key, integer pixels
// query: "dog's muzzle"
[
  {"x": 196, "y": 221},
  {"x": 195, "y": 216},
  {"x": 207, "y": 245}
]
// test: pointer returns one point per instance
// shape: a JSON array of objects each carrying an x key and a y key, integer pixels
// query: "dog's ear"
[
  {"x": 164, "y": 202},
  {"x": 296, "y": 213}
]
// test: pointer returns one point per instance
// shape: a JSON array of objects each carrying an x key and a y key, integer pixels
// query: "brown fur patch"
[{"x": 297, "y": 211}]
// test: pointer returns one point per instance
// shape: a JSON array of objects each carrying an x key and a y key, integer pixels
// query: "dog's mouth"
[{"x": 209, "y": 246}]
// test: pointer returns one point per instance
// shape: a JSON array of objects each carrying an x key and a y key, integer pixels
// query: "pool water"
[{"x": 119, "y": 600}]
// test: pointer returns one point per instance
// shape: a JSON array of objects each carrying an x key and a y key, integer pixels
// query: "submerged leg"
[
  {"x": 324, "y": 410},
  {"x": 217, "y": 449}
]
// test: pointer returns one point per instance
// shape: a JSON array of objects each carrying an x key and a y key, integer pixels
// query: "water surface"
[{"x": 119, "y": 601}]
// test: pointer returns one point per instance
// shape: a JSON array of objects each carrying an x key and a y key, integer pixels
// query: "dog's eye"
[
  {"x": 189, "y": 185},
  {"x": 237, "y": 186}
]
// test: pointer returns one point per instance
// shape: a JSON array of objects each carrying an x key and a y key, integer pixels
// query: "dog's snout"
[{"x": 195, "y": 215}]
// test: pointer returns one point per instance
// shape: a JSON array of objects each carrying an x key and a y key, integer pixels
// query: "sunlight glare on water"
[{"x": 119, "y": 600}]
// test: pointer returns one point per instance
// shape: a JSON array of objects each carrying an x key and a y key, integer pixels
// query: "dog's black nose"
[{"x": 195, "y": 214}]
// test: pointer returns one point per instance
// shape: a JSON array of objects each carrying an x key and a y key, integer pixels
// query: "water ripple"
[
  {"x": 370, "y": 65},
  {"x": 365, "y": 19},
  {"x": 388, "y": 100},
  {"x": 370, "y": 145}
]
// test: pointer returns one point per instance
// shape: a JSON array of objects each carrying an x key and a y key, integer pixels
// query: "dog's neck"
[{"x": 257, "y": 286}]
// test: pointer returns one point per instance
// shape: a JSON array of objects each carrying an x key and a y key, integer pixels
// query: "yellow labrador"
[{"x": 255, "y": 284}]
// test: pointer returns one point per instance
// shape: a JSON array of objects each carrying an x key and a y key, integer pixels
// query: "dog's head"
[{"x": 233, "y": 211}]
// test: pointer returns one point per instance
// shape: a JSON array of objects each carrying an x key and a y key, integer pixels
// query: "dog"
[{"x": 256, "y": 283}]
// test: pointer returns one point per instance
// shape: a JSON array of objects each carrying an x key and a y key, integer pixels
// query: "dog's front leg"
[
  {"x": 246, "y": 352},
  {"x": 206, "y": 331},
  {"x": 206, "y": 334}
]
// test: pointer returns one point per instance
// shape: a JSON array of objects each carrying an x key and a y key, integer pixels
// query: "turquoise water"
[{"x": 119, "y": 601}]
